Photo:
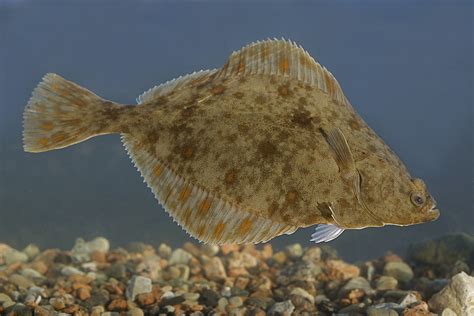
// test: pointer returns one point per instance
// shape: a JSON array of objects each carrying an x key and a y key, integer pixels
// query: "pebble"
[
  {"x": 294, "y": 251},
  {"x": 339, "y": 270},
  {"x": 20, "y": 281},
  {"x": 164, "y": 251},
  {"x": 210, "y": 250},
  {"x": 31, "y": 251},
  {"x": 180, "y": 256},
  {"x": 408, "y": 299},
  {"x": 68, "y": 271},
  {"x": 15, "y": 256},
  {"x": 214, "y": 269},
  {"x": 373, "y": 311},
  {"x": 386, "y": 283},
  {"x": 285, "y": 308},
  {"x": 297, "y": 291},
  {"x": 399, "y": 270},
  {"x": 138, "y": 285},
  {"x": 356, "y": 283},
  {"x": 458, "y": 295},
  {"x": 448, "y": 312},
  {"x": 312, "y": 254},
  {"x": 5, "y": 300},
  {"x": 236, "y": 301}
]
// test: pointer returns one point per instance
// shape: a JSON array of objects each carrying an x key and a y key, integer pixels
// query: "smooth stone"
[
  {"x": 15, "y": 256},
  {"x": 191, "y": 296},
  {"x": 116, "y": 271},
  {"x": 20, "y": 281},
  {"x": 312, "y": 254},
  {"x": 37, "y": 291},
  {"x": 446, "y": 249},
  {"x": 222, "y": 304},
  {"x": 135, "y": 312},
  {"x": 448, "y": 312},
  {"x": 351, "y": 309},
  {"x": 399, "y": 270},
  {"x": 226, "y": 291},
  {"x": 6, "y": 300},
  {"x": 303, "y": 293},
  {"x": 386, "y": 283},
  {"x": 458, "y": 295},
  {"x": 214, "y": 269},
  {"x": 210, "y": 250},
  {"x": 31, "y": 251},
  {"x": 357, "y": 283},
  {"x": 68, "y": 271},
  {"x": 180, "y": 256},
  {"x": 80, "y": 251},
  {"x": 138, "y": 285},
  {"x": 339, "y": 270},
  {"x": 164, "y": 251},
  {"x": 285, "y": 308},
  {"x": 408, "y": 299},
  {"x": 151, "y": 266},
  {"x": 236, "y": 301},
  {"x": 31, "y": 274},
  {"x": 373, "y": 311},
  {"x": 209, "y": 298},
  {"x": 135, "y": 247},
  {"x": 294, "y": 251}
]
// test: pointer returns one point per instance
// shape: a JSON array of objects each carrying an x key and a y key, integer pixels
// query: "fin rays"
[{"x": 204, "y": 215}]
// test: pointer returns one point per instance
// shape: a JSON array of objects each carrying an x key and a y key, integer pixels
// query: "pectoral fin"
[
  {"x": 341, "y": 150},
  {"x": 347, "y": 168}
]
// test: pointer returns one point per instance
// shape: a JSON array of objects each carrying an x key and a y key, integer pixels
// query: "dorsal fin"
[
  {"x": 203, "y": 214},
  {"x": 284, "y": 58},
  {"x": 197, "y": 77}
]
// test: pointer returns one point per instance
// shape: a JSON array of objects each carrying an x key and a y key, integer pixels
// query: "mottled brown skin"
[{"x": 257, "y": 141}]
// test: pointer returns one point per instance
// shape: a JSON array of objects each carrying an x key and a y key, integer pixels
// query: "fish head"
[{"x": 397, "y": 198}]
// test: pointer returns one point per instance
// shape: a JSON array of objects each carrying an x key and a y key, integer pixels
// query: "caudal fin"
[{"x": 60, "y": 113}]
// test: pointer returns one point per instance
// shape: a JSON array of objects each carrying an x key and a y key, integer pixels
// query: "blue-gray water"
[{"x": 406, "y": 66}]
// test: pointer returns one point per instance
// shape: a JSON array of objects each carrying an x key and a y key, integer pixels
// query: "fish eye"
[{"x": 417, "y": 199}]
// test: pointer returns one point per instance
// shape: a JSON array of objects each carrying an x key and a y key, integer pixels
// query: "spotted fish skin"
[{"x": 244, "y": 153}]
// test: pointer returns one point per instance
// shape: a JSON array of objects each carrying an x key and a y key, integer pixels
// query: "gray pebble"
[
  {"x": 180, "y": 256},
  {"x": 138, "y": 285},
  {"x": 294, "y": 251},
  {"x": 386, "y": 283},
  {"x": 15, "y": 256},
  {"x": 399, "y": 270},
  {"x": 68, "y": 271},
  {"x": 285, "y": 307}
]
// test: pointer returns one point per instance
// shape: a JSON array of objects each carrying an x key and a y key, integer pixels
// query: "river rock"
[
  {"x": 356, "y": 283},
  {"x": 444, "y": 250},
  {"x": 386, "y": 283},
  {"x": 138, "y": 285},
  {"x": 399, "y": 270},
  {"x": 339, "y": 270},
  {"x": 180, "y": 256},
  {"x": 31, "y": 251},
  {"x": 214, "y": 269},
  {"x": 458, "y": 295},
  {"x": 15, "y": 256},
  {"x": 294, "y": 251},
  {"x": 282, "y": 308}
]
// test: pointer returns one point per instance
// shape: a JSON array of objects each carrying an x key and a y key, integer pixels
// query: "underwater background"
[{"x": 406, "y": 67}]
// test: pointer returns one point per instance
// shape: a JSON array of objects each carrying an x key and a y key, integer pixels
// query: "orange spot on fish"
[
  {"x": 58, "y": 137},
  {"x": 47, "y": 126},
  {"x": 185, "y": 193},
  {"x": 204, "y": 207},
  {"x": 43, "y": 141},
  {"x": 217, "y": 234},
  {"x": 188, "y": 152},
  {"x": 245, "y": 227},
  {"x": 187, "y": 215},
  {"x": 157, "y": 170},
  {"x": 291, "y": 196},
  {"x": 284, "y": 90},
  {"x": 241, "y": 67},
  {"x": 200, "y": 231},
  {"x": 216, "y": 90},
  {"x": 284, "y": 65}
]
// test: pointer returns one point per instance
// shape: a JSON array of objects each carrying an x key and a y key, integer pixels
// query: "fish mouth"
[{"x": 433, "y": 213}]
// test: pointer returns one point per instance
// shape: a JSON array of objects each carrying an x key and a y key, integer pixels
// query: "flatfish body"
[{"x": 258, "y": 148}]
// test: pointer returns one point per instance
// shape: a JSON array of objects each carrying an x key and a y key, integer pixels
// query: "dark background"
[{"x": 406, "y": 66}]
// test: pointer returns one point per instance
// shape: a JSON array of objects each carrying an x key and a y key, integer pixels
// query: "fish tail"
[{"x": 60, "y": 113}]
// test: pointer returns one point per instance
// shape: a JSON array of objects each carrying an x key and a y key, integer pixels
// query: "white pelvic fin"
[{"x": 326, "y": 232}]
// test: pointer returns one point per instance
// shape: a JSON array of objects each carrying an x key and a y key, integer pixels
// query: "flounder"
[{"x": 264, "y": 145}]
